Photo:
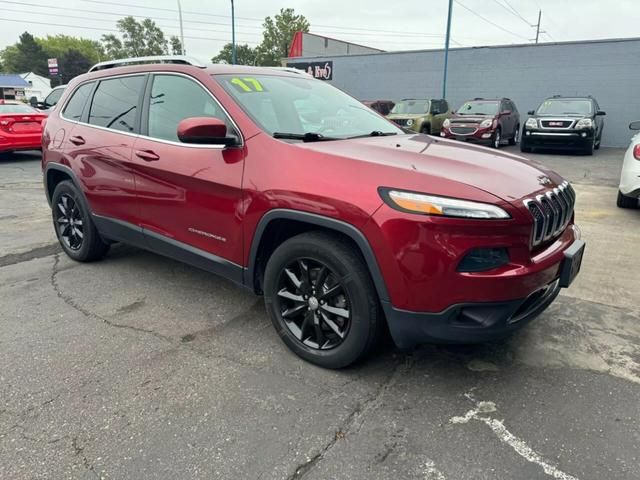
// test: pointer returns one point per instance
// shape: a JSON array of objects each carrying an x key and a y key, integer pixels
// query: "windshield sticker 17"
[{"x": 247, "y": 85}]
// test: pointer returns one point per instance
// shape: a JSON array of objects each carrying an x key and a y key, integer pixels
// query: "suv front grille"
[
  {"x": 556, "y": 123},
  {"x": 462, "y": 130},
  {"x": 551, "y": 212},
  {"x": 400, "y": 121}
]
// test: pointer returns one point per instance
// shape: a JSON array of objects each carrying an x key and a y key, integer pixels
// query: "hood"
[
  {"x": 391, "y": 116},
  {"x": 457, "y": 118},
  {"x": 509, "y": 177}
]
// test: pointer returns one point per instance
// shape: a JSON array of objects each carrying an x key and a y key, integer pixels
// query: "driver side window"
[{"x": 174, "y": 98}]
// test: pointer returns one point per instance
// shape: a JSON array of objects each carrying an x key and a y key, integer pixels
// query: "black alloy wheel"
[
  {"x": 68, "y": 220},
  {"x": 313, "y": 304}
]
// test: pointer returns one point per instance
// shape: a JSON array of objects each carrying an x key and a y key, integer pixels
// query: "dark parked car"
[
  {"x": 574, "y": 123},
  {"x": 383, "y": 107},
  {"x": 485, "y": 121},
  {"x": 343, "y": 222}
]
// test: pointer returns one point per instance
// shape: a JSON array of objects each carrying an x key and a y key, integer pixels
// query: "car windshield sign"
[
  {"x": 565, "y": 107},
  {"x": 411, "y": 107},
  {"x": 303, "y": 109},
  {"x": 478, "y": 108}
]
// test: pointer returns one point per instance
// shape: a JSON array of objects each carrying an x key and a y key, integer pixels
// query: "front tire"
[
  {"x": 516, "y": 136},
  {"x": 321, "y": 300},
  {"x": 497, "y": 139},
  {"x": 73, "y": 225},
  {"x": 626, "y": 202},
  {"x": 591, "y": 147},
  {"x": 426, "y": 129}
]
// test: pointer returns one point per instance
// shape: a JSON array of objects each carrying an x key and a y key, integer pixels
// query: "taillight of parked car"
[{"x": 636, "y": 152}]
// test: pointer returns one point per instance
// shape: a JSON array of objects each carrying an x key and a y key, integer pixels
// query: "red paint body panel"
[{"x": 226, "y": 192}]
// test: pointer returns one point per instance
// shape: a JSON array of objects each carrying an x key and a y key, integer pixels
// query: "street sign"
[
  {"x": 53, "y": 71},
  {"x": 52, "y": 62}
]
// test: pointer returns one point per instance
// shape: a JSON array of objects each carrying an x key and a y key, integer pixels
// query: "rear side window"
[
  {"x": 75, "y": 106},
  {"x": 174, "y": 98},
  {"x": 115, "y": 103},
  {"x": 53, "y": 98}
]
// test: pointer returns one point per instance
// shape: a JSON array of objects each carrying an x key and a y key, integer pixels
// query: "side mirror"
[
  {"x": 33, "y": 101},
  {"x": 531, "y": 112},
  {"x": 205, "y": 130},
  {"x": 601, "y": 113},
  {"x": 634, "y": 125}
]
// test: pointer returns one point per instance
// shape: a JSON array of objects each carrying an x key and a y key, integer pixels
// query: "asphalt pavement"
[{"x": 139, "y": 367}]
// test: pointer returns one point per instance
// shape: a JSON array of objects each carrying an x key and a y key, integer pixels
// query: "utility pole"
[
  {"x": 538, "y": 26},
  {"x": 446, "y": 51},
  {"x": 233, "y": 34},
  {"x": 181, "y": 30}
]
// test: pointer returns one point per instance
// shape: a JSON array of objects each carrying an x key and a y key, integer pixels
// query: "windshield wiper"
[
  {"x": 305, "y": 137},
  {"x": 375, "y": 133}
]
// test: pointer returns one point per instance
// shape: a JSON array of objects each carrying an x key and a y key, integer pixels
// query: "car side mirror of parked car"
[
  {"x": 531, "y": 112},
  {"x": 205, "y": 130},
  {"x": 600, "y": 112},
  {"x": 634, "y": 125}
]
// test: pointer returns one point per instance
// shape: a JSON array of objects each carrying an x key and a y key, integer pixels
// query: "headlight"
[
  {"x": 409, "y": 122},
  {"x": 584, "y": 123},
  {"x": 446, "y": 123},
  {"x": 440, "y": 206},
  {"x": 531, "y": 123},
  {"x": 486, "y": 123}
]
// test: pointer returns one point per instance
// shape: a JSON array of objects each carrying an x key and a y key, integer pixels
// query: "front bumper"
[
  {"x": 571, "y": 139},
  {"x": 482, "y": 136}
]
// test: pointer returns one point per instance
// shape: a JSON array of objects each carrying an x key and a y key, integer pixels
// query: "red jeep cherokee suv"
[{"x": 293, "y": 189}]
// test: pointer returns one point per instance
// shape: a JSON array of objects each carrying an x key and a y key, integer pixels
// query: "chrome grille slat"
[{"x": 551, "y": 212}]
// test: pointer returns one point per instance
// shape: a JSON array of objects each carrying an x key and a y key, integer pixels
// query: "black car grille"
[
  {"x": 462, "y": 130},
  {"x": 556, "y": 123},
  {"x": 400, "y": 121},
  {"x": 551, "y": 212}
]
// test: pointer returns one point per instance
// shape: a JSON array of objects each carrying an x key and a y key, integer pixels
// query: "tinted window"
[
  {"x": 175, "y": 98},
  {"x": 445, "y": 107},
  {"x": 115, "y": 103},
  {"x": 75, "y": 105},
  {"x": 565, "y": 106},
  {"x": 53, "y": 98}
]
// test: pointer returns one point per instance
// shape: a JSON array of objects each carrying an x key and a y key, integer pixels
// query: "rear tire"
[
  {"x": 73, "y": 225},
  {"x": 626, "y": 202},
  {"x": 332, "y": 330}
]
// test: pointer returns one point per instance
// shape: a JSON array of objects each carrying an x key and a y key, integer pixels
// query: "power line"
[
  {"x": 106, "y": 29},
  {"x": 489, "y": 21},
  {"x": 512, "y": 11},
  {"x": 516, "y": 12}
]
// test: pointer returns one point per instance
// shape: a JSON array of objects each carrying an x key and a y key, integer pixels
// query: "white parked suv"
[{"x": 629, "y": 191}]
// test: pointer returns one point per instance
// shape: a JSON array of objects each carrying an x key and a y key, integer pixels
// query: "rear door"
[
  {"x": 100, "y": 146},
  {"x": 189, "y": 195},
  {"x": 506, "y": 119}
]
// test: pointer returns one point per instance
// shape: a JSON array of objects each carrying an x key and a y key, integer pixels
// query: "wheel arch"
[
  {"x": 279, "y": 225},
  {"x": 55, "y": 173}
]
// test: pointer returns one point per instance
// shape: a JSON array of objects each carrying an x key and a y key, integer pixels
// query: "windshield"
[
  {"x": 16, "y": 108},
  {"x": 565, "y": 107},
  {"x": 479, "y": 108},
  {"x": 411, "y": 107},
  {"x": 301, "y": 106}
]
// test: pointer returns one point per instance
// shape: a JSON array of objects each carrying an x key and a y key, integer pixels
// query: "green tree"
[
  {"x": 56, "y": 46},
  {"x": 176, "y": 45},
  {"x": 71, "y": 64},
  {"x": 245, "y": 55},
  {"x": 139, "y": 39},
  {"x": 278, "y": 34},
  {"x": 25, "y": 56}
]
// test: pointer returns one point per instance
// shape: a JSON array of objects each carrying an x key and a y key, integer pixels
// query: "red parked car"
[
  {"x": 485, "y": 121},
  {"x": 20, "y": 127},
  {"x": 291, "y": 188}
]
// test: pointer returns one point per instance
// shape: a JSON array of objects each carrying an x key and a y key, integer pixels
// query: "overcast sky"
[{"x": 399, "y": 25}]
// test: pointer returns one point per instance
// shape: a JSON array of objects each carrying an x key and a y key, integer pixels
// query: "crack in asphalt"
[
  {"x": 73, "y": 304},
  {"x": 79, "y": 451},
  {"x": 354, "y": 421},
  {"x": 39, "y": 252}
]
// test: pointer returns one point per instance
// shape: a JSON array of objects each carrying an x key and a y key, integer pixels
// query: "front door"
[{"x": 188, "y": 196}]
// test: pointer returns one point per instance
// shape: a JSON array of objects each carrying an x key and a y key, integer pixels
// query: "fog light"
[
  {"x": 583, "y": 134},
  {"x": 442, "y": 134},
  {"x": 482, "y": 259},
  {"x": 528, "y": 132},
  {"x": 486, "y": 135}
]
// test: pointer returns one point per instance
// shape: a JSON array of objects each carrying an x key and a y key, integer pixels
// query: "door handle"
[
  {"x": 147, "y": 155},
  {"x": 77, "y": 140}
]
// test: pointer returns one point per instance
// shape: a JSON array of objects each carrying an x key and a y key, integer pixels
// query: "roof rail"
[
  {"x": 177, "y": 59},
  {"x": 299, "y": 71}
]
